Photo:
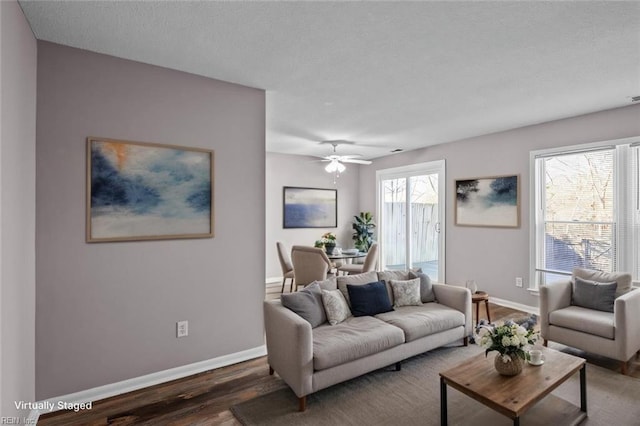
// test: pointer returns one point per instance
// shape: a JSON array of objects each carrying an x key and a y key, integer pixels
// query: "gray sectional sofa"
[{"x": 310, "y": 359}]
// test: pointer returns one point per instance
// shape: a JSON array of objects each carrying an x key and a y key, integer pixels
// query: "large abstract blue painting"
[
  {"x": 492, "y": 201},
  {"x": 143, "y": 191},
  {"x": 310, "y": 207}
]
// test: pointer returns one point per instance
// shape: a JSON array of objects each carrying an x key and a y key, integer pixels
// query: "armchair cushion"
[
  {"x": 623, "y": 279},
  {"x": 585, "y": 320},
  {"x": 593, "y": 294}
]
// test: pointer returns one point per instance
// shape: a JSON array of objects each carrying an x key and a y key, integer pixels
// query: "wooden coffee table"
[{"x": 513, "y": 396}]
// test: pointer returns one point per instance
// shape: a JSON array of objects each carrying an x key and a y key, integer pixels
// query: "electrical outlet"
[
  {"x": 182, "y": 328},
  {"x": 518, "y": 281}
]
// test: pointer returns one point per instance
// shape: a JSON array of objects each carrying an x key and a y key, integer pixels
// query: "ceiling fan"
[{"x": 336, "y": 161}]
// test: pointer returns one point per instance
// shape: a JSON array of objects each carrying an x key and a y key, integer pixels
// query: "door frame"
[{"x": 430, "y": 167}]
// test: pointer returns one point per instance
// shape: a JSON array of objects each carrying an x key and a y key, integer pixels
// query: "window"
[{"x": 586, "y": 210}]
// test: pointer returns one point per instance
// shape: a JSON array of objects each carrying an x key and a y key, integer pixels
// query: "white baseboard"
[
  {"x": 136, "y": 383},
  {"x": 273, "y": 280},
  {"x": 515, "y": 305}
]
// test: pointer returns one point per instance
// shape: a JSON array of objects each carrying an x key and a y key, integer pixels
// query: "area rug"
[{"x": 412, "y": 397}]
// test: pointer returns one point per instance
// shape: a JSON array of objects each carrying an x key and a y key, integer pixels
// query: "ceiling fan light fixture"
[
  {"x": 331, "y": 167},
  {"x": 335, "y": 166}
]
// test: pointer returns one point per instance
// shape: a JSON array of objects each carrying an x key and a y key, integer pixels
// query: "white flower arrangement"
[{"x": 510, "y": 339}]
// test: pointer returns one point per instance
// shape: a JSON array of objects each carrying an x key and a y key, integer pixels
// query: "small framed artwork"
[
  {"x": 147, "y": 191},
  {"x": 310, "y": 207},
  {"x": 488, "y": 201}
]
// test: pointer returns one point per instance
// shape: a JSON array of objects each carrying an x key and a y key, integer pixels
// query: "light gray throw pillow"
[
  {"x": 307, "y": 303},
  {"x": 594, "y": 295},
  {"x": 426, "y": 287}
]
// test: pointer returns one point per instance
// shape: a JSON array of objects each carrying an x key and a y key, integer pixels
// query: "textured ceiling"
[{"x": 382, "y": 74}]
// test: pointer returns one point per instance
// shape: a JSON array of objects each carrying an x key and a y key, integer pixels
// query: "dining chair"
[
  {"x": 286, "y": 265},
  {"x": 309, "y": 264},
  {"x": 370, "y": 263}
]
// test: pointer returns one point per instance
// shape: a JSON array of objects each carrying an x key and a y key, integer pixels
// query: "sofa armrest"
[
  {"x": 553, "y": 296},
  {"x": 458, "y": 298},
  {"x": 626, "y": 311},
  {"x": 289, "y": 346}
]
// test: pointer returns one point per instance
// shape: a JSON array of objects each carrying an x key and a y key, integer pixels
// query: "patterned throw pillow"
[
  {"x": 406, "y": 293},
  {"x": 335, "y": 306}
]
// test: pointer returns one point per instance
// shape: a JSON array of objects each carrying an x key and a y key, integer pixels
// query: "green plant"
[{"x": 363, "y": 227}]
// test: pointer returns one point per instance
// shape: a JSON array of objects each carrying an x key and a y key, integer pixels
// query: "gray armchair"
[{"x": 614, "y": 334}]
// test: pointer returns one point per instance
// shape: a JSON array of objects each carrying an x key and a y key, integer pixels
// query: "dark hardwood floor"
[{"x": 205, "y": 398}]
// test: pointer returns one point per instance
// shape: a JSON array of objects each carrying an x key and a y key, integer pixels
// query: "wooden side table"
[{"x": 477, "y": 298}]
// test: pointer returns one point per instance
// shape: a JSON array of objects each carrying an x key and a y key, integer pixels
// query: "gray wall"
[
  {"x": 17, "y": 209},
  {"x": 494, "y": 256},
  {"x": 107, "y": 312},
  {"x": 296, "y": 170}
]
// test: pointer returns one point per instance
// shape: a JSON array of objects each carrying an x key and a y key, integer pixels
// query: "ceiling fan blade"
[{"x": 350, "y": 160}]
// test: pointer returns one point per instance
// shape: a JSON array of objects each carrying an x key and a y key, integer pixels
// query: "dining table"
[
  {"x": 346, "y": 257},
  {"x": 343, "y": 255}
]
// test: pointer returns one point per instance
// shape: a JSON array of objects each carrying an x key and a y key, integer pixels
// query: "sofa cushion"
[
  {"x": 426, "y": 287},
  {"x": 352, "y": 339},
  {"x": 369, "y": 299},
  {"x": 335, "y": 306},
  {"x": 420, "y": 321},
  {"x": 593, "y": 295},
  {"x": 623, "y": 279},
  {"x": 307, "y": 303},
  {"x": 387, "y": 276},
  {"x": 359, "y": 279},
  {"x": 329, "y": 284},
  {"x": 586, "y": 320},
  {"x": 406, "y": 293},
  {"x": 393, "y": 275}
]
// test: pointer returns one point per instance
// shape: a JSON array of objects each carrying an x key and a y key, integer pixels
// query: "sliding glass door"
[{"x": 411, "y": 213}]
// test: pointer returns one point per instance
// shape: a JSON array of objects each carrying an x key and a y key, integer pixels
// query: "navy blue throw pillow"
[{"x": 369, "y": 299}]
